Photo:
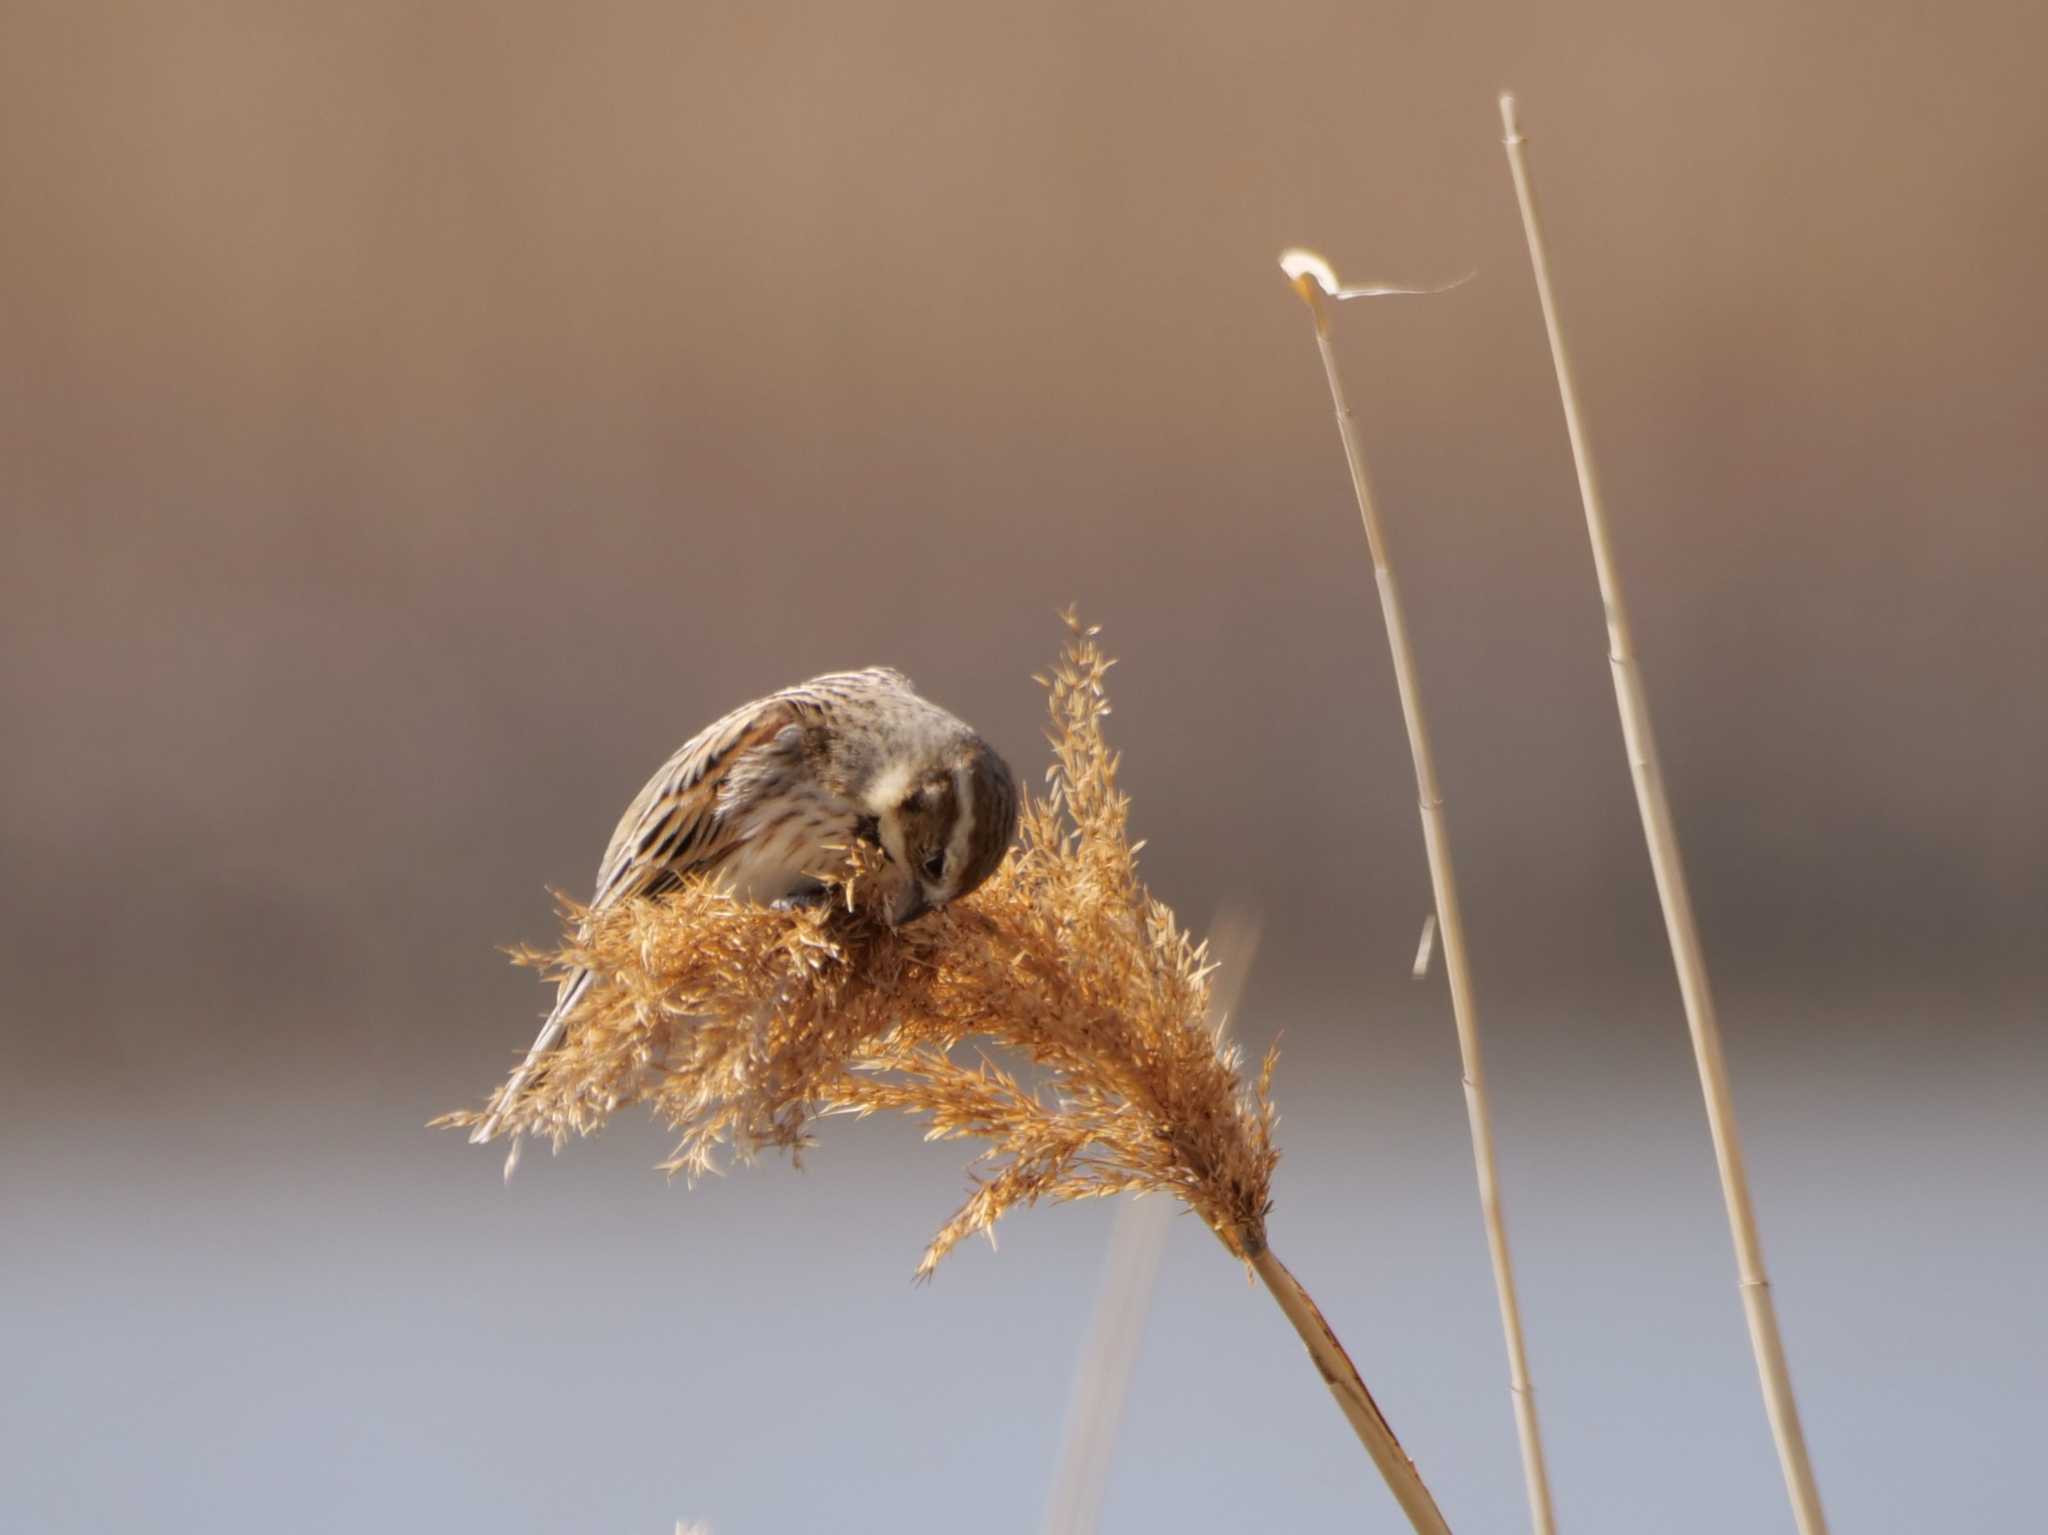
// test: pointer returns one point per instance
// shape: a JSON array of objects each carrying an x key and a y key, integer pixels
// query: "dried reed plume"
[{"x": 742, "y": 1025}]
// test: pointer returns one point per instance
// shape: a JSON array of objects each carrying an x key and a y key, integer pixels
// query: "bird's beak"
[{"x": 913, "y": 907}]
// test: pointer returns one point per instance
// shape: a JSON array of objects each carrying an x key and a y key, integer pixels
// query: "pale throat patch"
[
  {"x": 888, "y": 789},
  {"x": 883, "y": 796}
]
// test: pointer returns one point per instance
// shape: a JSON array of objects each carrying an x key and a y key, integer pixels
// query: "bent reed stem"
[{"x": 1348, "y": 1387}]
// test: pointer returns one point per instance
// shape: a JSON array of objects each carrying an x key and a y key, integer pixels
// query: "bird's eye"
[{"x": 935, "y": 866}]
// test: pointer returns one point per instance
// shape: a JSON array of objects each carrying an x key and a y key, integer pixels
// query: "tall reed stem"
[
  {"x": 1102, "y": 1380},
  {"x": 1345, "y": 1384},
  {"x": 1451, "y": 925},
  {"x": 1662, "y": 836}
]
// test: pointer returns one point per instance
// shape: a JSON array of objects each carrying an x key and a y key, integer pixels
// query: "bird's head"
[{"x": 945, "y": 825}]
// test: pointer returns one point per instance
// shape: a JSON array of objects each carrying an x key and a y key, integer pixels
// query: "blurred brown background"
[{"x": 416, "y": 419}]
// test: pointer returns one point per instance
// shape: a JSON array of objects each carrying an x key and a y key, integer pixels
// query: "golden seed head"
[{"x": 741, "y": 1025}]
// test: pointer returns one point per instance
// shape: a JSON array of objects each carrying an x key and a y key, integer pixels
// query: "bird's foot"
[{"x": 803, "y": 899}]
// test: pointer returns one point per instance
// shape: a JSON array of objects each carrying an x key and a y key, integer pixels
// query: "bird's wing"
[
  {"x": 680, "y": 821},
  {"x": 685, "y": 818},
  {"x": 692, "y": 815}
]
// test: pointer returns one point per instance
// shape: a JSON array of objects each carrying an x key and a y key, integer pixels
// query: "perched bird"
[{"x": 769, "y": 798}]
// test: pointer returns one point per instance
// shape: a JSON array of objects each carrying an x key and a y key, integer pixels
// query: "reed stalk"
[
  {"x": 1660, "y": 832},
  {"x": 1450, "y": 919},
  {"x": 1137, "y": 1242},
  {"x": 1102, "y": 1381}
]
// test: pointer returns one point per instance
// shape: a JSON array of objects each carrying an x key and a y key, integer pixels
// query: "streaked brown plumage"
[{"x": 769, "y": 798}]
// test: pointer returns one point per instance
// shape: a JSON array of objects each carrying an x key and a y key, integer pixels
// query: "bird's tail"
[{"x": 571, "y": 993}]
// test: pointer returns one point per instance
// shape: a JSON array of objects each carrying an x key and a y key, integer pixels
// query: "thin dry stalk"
[
  {"x": 1080, "y": 1478},
  {"x": 742, "y": 1025},
  {"x": 1451, "y": 927},
  {"x": 1661, "y": 834},
  {"x": 1136, "y": 1244}
]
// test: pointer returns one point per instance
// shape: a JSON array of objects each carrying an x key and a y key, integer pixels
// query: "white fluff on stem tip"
[
  {"x": 1298, "y": 263},
  {"x": 1313, "y": 279},
  {"x": 1683, "y": 932}
]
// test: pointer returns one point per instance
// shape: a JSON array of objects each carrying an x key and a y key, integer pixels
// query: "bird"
[{"x": 770, "y": 799}]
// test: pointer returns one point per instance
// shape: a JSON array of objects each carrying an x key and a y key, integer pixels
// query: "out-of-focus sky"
[{"x": 416, "y": 420}]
